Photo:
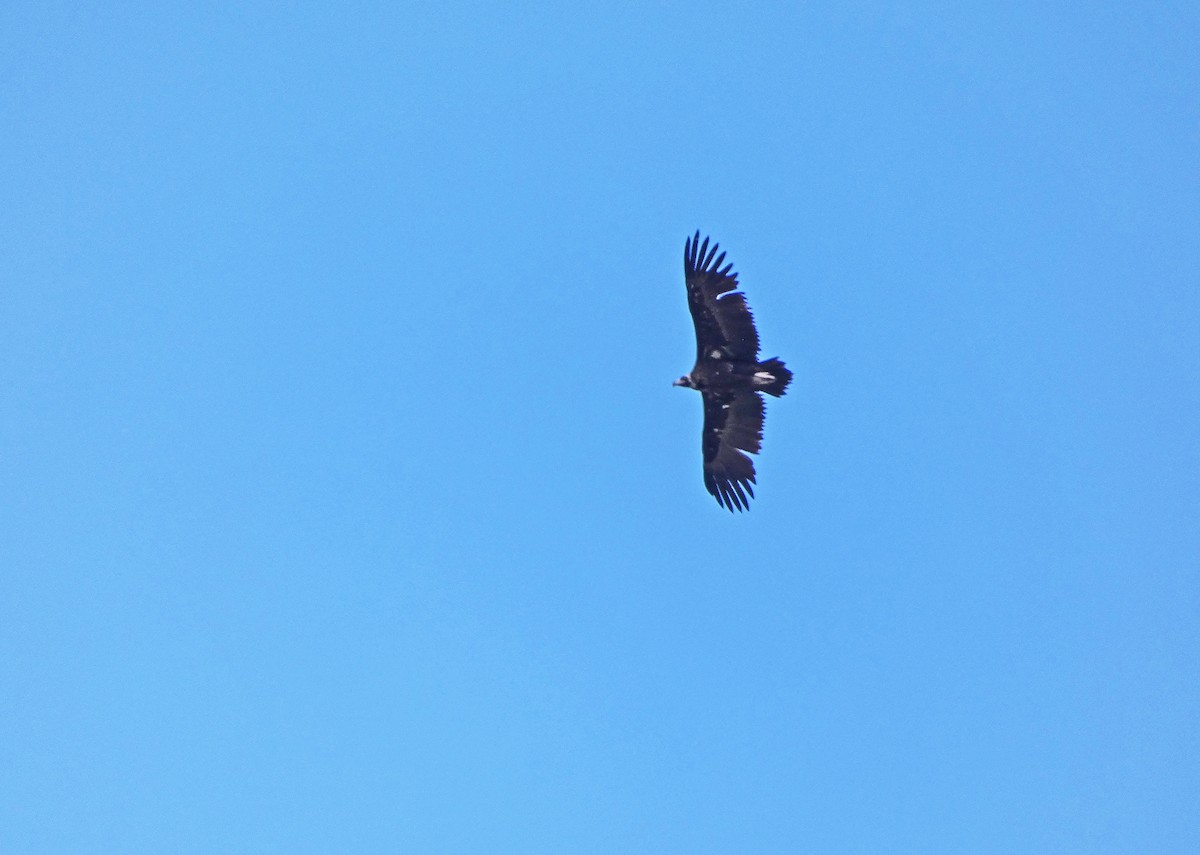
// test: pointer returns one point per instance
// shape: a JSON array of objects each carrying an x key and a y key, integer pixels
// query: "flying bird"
[{"x": 727, "y": 374}]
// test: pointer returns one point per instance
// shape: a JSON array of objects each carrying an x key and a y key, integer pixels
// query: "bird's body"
[
  {"x": 717, "y": 374},
  {"x": 727, "y": 373}
]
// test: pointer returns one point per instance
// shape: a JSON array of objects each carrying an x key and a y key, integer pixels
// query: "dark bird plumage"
[{"x": 727, "y": 374}]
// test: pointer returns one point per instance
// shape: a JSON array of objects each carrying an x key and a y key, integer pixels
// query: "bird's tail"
[{"x": 775, "y": 377}]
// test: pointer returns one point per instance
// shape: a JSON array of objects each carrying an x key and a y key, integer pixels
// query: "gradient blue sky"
[{"x": 348, "y": 507}]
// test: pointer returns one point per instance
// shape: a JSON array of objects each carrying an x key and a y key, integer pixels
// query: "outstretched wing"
[
  {"x": 719, "y": 311},
  {"x": 733, "y": 423}
]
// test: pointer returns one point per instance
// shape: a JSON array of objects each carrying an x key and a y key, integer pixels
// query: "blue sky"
[{"x": 347, "y": 505}]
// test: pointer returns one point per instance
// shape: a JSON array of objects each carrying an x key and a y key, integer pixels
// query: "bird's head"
[{"x": 685, "y": 380}]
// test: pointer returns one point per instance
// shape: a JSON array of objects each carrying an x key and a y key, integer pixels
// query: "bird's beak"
[{"x": 677, "y": 383}]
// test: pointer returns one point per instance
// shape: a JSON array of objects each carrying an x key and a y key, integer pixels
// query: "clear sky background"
[{"x": 348, "y": 507}]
